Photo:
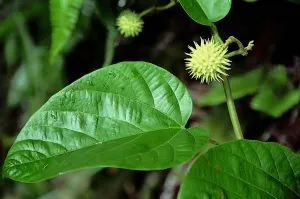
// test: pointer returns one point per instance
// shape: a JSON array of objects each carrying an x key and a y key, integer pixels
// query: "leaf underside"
[
  {"x": 128, "y": 115},
  {"x": 244, "y": 169}
]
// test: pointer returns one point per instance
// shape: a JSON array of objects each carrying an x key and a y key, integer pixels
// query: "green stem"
[
  {"x": 229, "y": 99},
  {"x": 108, "y": 21},
  {"x": 232, "y": 110},
  {"x": 233, "y": 53},
  {"x": 109, "y": 45},
  {"x": 214, "y": 142},
  {"x": 241, "y": 51},
  {"x": 154, "y": 8}
]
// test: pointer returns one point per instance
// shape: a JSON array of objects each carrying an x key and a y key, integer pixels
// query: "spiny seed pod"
[
  {"x": 129, "y": 23},
  {"x": 207, "y": 61}
]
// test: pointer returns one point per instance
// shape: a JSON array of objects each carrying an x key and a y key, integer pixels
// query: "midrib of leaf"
[
  {"x": 59, "y": 15},
  {"x": 154, "y": 147},
  {"x": 59, "y": 110},
  {"x": 90, "y": 146},
  {"x": 206, "y": 16},
  {"x": 63, "y": 23},
  {"x": 70, "y": 87}
]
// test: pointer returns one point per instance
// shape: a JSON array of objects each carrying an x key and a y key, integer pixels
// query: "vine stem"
[
  {"x": 229, "y": 99},
  {"x": 112, "y": 32},
  {"x": 160, "y": 8},
  {"x": 242, "y": 50}
]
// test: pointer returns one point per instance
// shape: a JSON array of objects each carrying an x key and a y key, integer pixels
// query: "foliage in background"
[
  {"x": 34, "y": 79},
  {"x": 64, "y": 16},
  {"x": 273, "y": 92},
  {"x": 276, "y": 94},
  {"x": 241, "y": 86}
]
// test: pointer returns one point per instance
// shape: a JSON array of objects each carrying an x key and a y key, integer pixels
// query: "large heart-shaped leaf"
[
  {"x": 64, "y": 15},
  {"x": 128, "y": 115},
  {"x": 244, "y": 169},
  {"x": 206, "y": 12}
]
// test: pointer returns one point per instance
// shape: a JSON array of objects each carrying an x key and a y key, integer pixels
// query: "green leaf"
[
  {"x": 274, "y": 98},
  {"x": 206, "y": 12},
  {"x": 241, "y": 86},
  {"x": 64, "y": 15},
  {"x": 274, "y": 105},
  {"x": 128, "y": 115},
  {"x": 244, "y": 169}
]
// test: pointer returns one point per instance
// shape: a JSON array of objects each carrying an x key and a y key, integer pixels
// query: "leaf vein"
[
  {"x": 142, "y": 103},
  {"x": 242, "y": 158},
  {"x": 243, "y": 181},
  {"x": 206, "y": 180},
  {"x": 295, "y": 180},
  {"x": 59, "y": 127}
]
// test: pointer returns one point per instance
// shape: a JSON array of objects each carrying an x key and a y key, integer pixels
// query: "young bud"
[{"x": 129, "y": 23}]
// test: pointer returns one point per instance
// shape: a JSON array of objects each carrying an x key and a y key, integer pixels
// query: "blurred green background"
[{"x": 265, "y": 84}]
